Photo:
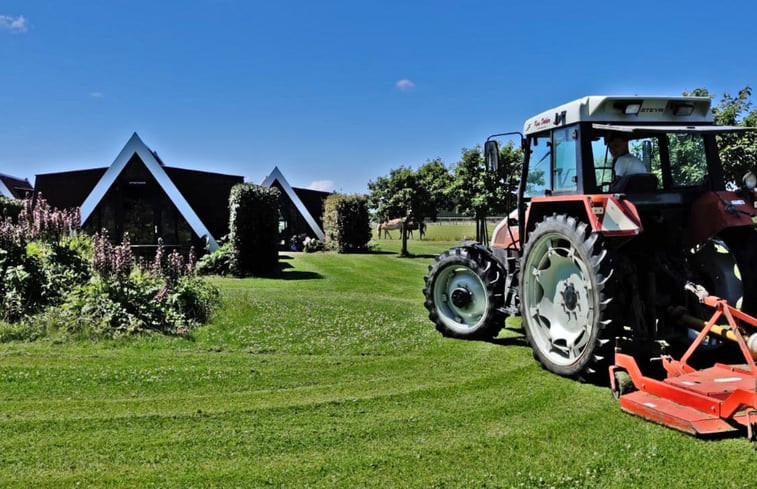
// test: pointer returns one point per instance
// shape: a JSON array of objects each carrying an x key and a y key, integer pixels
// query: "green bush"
[
  {"x": 346, "y": 223},
  {"x": 142, "y": 302},
  {"x": 254, "y": 229},
  {"x": 216, "y": 263},
  {"x": 312, "y": 245},
  {"x": 10, "y": 208},
  {"x": 164, "y": 296}
]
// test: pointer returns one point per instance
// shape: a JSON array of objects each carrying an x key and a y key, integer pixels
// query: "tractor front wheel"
[
  {"x": 564, "y": 277},
  {"x": 463, "y": 292}
]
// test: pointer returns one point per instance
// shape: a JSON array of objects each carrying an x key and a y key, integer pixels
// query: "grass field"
[
  {"x": 330, "y": 376},
  {"x": 443, "y": 231}
]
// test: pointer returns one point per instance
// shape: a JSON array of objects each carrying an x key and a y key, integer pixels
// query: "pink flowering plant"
[
  {"x": 41, "y": 256},
  {"x": 52, "y": 276},
  {"x": 127, "y": 296}
]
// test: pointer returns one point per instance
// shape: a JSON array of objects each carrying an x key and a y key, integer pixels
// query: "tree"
[
  {"x": 479, "y": 192},
  {"x": 738, "y": 152},
  {"x": 407, "y": 194},
  {"x": 434, "y": 180}
]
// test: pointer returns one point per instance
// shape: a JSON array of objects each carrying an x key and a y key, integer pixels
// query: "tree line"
[{"x": 466, "y": 187}]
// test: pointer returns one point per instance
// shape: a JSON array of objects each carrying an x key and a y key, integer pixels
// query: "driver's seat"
[{"x": 637, "y": 183}]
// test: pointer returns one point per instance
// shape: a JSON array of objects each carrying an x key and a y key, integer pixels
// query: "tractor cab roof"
[{"x": 625, "y": 110}]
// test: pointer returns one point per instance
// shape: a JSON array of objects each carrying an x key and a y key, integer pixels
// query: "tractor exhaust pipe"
[{"x": 681, "y": 315}]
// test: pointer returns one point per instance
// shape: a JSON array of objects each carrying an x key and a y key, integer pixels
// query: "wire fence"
[{"x": 462, "y": 221}]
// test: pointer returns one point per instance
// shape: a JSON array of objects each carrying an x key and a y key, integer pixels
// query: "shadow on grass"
[
  {"x": 298, "y": 275},
  {"x": 421, "y": 256},
  {"x": 380, "y": 252},
  {"x": 510, "y": 341},
  {"x": 285, "y": 273}
]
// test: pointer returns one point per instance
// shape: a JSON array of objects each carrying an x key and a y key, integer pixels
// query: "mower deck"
[
  {"x": 718, "y": 399},
  {"x": 705, "y": 402}
]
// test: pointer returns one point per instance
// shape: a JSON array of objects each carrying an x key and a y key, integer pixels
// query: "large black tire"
[
  {"x": 713, "y": 266},
  {"x": 744, "y": 248},
  {"x": 464, "y": 289},
  {"x": 564, "y": 295}
]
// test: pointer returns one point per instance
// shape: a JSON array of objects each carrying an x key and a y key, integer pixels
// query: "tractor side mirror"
[{"x": 491, "y": 155}]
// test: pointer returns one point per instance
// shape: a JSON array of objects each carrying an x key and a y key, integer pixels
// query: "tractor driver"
[{"x": 623, "y": 162}]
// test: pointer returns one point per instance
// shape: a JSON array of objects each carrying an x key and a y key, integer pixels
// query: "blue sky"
[{"x": 334, "y": 93}]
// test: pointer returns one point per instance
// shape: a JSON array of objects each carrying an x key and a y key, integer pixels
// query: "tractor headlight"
[{"x": 749, "y": 180}]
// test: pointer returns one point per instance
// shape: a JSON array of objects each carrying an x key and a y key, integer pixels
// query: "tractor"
[{"x": 610, "y": 270}]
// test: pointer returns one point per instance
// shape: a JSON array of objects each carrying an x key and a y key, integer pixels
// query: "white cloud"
[
  {"x": 322, "y": 185},
  {"x": 13, "y": 24},
  {"x": 405, "y": 84},
  {"x": 96, "y": 94}
]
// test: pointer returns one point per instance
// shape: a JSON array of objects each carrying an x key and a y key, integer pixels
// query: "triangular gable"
[
  {"x": 277, "y": 176},
  {"x": 135, "y": 145}
]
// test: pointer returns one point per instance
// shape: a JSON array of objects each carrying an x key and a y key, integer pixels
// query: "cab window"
[
  {"x": 688, "y": 163},
  {"x": 539, "y": 175},
  {"x": 603, "y": 172},
  {"x": 645, "y": 148}
]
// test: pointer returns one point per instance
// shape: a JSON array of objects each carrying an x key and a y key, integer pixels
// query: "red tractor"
[{"x": 626, "y": 237}]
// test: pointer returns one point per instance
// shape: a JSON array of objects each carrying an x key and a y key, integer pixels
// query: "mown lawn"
[{"x": 330, "y": 376}]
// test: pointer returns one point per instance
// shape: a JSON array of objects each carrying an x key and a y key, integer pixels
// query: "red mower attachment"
[{"x": 718, "y": 399}]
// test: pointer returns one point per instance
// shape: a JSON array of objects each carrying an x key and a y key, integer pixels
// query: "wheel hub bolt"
[
  {"x": 461, "y": 297},
  {"x": 570, "y": 297}
]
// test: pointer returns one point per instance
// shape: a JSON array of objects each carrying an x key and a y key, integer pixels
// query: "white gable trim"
[
  {"x": 5, "y": 191},
  {"x": 135, "y": 145},
  {"x": 276, "y": 175}
]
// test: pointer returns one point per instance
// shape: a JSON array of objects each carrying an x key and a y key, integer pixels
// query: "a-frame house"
[
  {"x": 14, "y": 188},
  {"x": 301, "y": 210},
  {"x": 140, "y": 196}
]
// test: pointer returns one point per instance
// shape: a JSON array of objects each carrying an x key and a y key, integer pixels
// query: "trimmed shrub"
[
  {"x": 346, "y": 223},
  {"x": 254, "y": 229}
]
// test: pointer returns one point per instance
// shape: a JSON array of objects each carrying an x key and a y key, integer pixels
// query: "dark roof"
[
  {"x": 68, "y": 189},
  {"x": 313, "y": 200},
  {"x": 208, "y": 194},
  {"x": 17, "y": 187}
]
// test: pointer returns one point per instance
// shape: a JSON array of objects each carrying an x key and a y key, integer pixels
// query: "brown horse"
[
  {"x": 387, "y": 226},
  {"x": 393, "y": 224}
]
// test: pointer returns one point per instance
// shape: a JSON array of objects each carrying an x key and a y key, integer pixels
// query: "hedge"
[
  {"x": 254, "y": 229},
  {"x": 346, "y": 223}
]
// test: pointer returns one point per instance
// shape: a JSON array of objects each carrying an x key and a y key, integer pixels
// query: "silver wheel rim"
[
  {"x": 558, "y": 292},
  {"x": 456, "y": 316}
]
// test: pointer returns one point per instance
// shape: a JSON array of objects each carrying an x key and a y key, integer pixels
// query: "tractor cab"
[
  {"x": 669, "y": 138},
  {"x": 649, "y": 152}
]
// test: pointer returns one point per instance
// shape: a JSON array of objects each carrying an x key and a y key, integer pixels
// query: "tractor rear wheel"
[
  {"x": 714, "y": 267},
  {"x": 744, "y": 248},
  {"x": 564, "y": 294},
  {"x": 463, "y": 293}
]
